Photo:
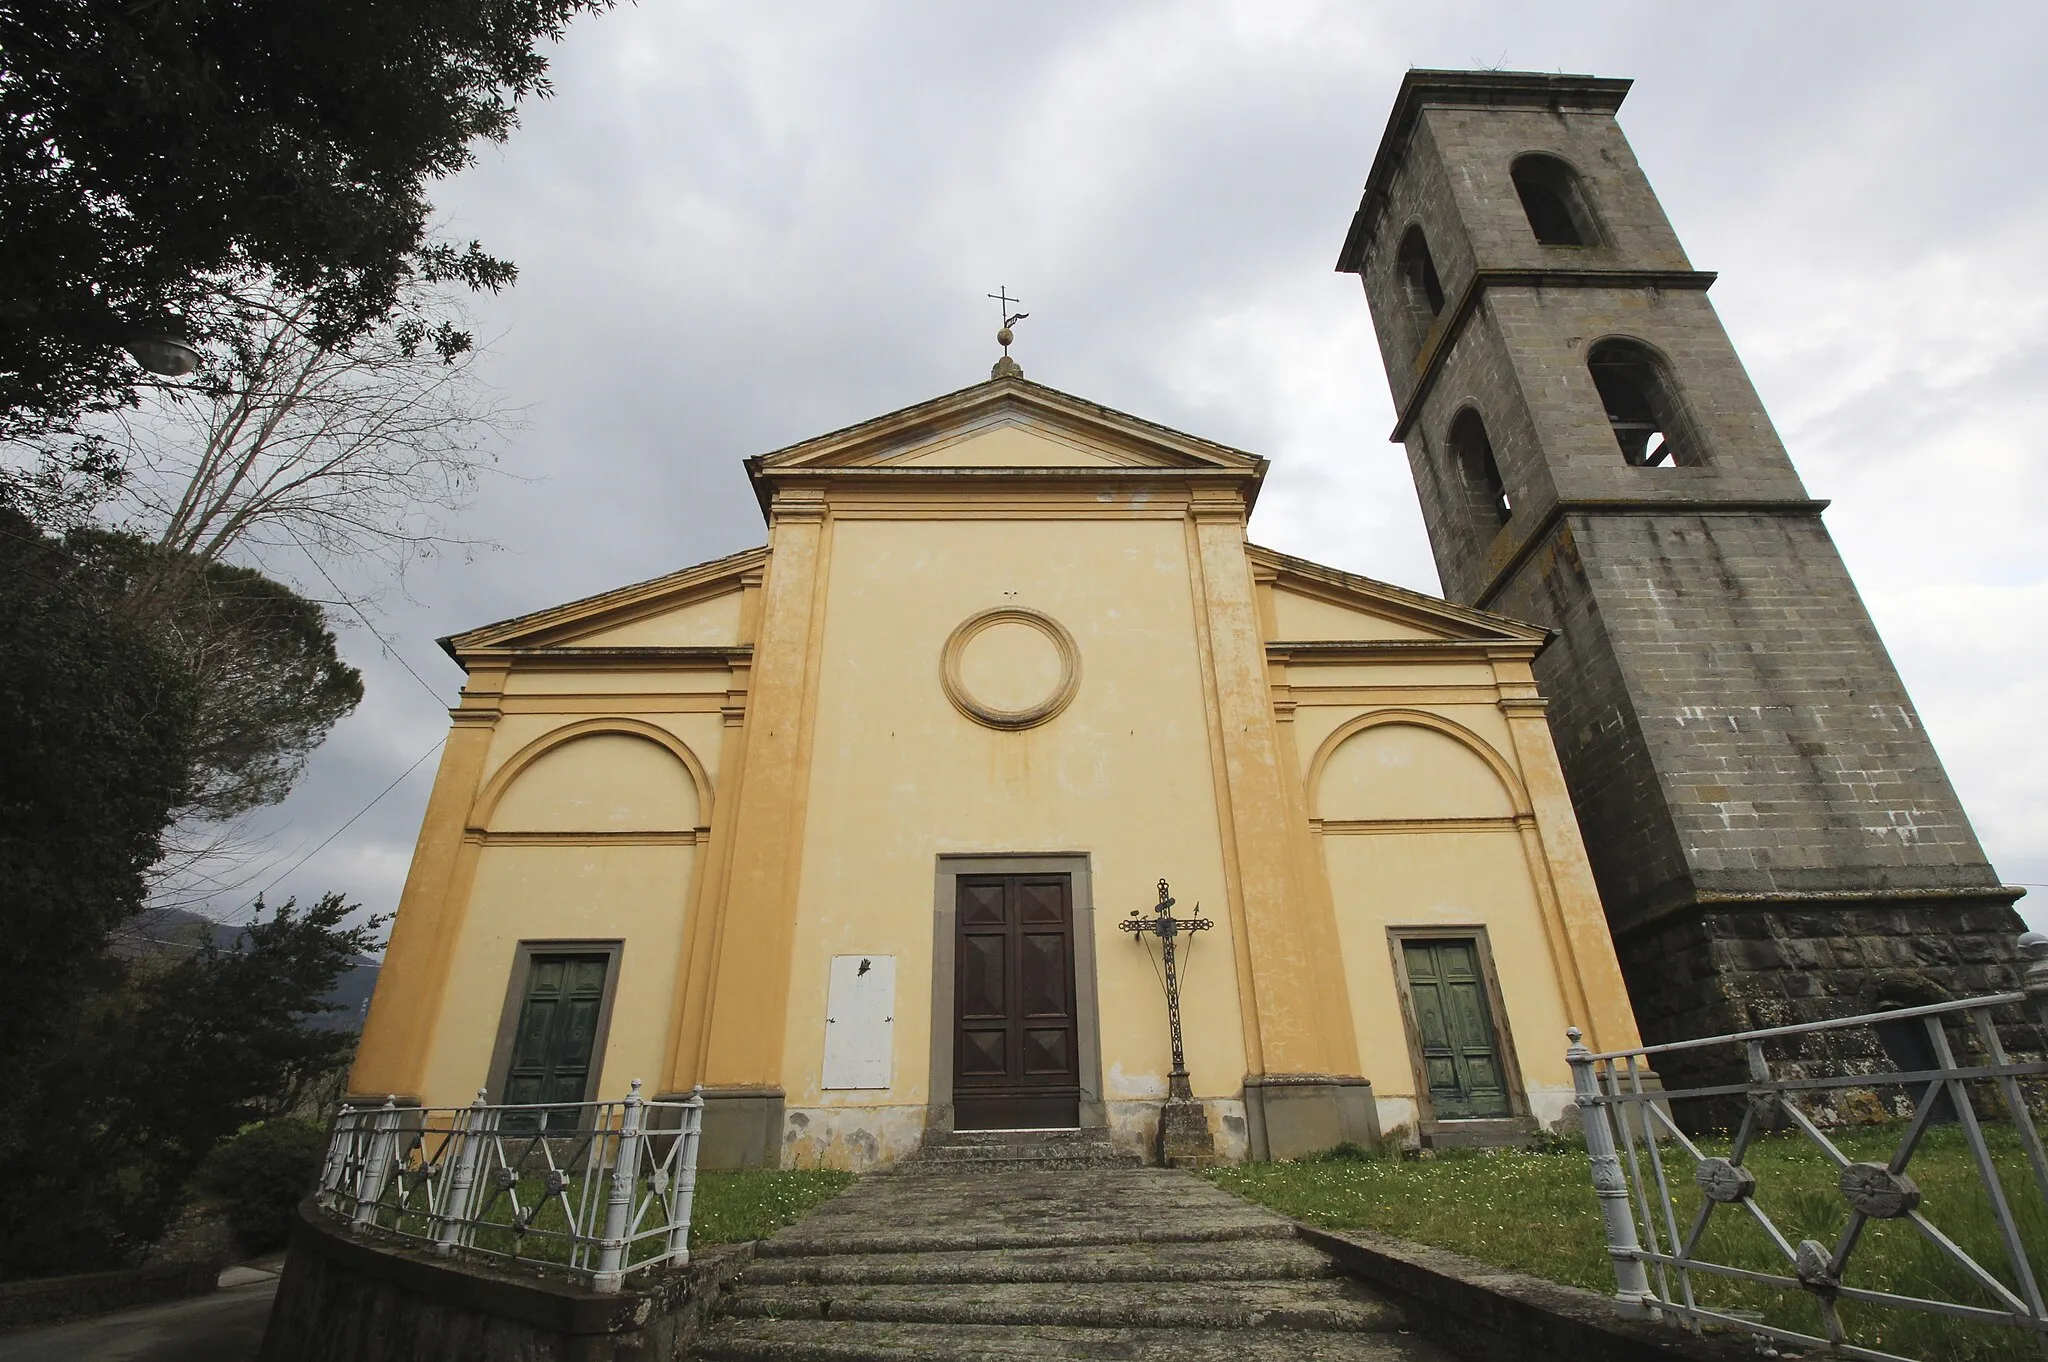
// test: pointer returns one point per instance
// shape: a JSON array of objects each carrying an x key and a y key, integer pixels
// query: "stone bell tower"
[{"x": 1773, "y": 835}]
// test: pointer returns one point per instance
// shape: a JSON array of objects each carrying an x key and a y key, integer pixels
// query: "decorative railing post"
[
  {"x": 469, "y": 1136},
  {"x": 2034, "y": 946},
  {"x": 575, "y": 1185},
  {"x": 686, "y": 1180},
  {"x": 618, "y": 1209},
  {"x": 1632, "y": 1296},
  {"x": 377, "y": 1167},
  {"x": 339, "y": 1141}
]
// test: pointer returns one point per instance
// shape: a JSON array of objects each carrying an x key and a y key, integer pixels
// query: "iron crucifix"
[{"x": 1168, "y": 929}]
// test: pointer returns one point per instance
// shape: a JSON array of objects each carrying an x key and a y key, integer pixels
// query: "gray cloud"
[{"x": 741, "y": 226}]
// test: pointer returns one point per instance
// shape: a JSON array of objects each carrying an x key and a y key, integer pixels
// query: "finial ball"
[{"x": 1005, "y": 336}]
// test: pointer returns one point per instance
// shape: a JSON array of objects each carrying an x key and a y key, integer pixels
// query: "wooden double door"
[
  {"x": 1454, "y": 1028},
  {"x": 1016, "y": 1038},
  {"x": 557, "y": 1033}
]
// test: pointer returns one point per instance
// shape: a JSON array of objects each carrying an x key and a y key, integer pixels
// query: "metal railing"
[
  {"x": 1637, "y": 1152},
  {"x": 598, "y": 1189}
]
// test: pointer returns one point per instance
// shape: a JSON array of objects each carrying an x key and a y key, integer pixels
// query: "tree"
[
  {"x": 154, "y": 1067},
  {"x": 96, "y": 725},
  {"x": 142, "y": 693},
  {"x": 288, "y": 443},
  {"x": 151, "y": 152},
  {"x": 267, "y": 676}
]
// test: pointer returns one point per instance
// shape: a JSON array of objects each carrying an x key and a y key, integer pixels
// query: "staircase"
[
  {"x": 963, "y": 1151},
  {"x": 950, "y": 1261}
]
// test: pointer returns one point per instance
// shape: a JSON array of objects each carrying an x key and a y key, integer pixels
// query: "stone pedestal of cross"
[{"x": 1184, "y": 1139}]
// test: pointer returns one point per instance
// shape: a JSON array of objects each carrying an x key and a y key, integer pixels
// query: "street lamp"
[{"x": 161, "y": 353}]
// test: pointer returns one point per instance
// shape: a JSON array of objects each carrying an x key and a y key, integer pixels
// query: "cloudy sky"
[{"x": 742, "y": 225}]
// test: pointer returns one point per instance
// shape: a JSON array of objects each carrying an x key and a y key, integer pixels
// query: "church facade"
[{"x": 843, "y": 829}]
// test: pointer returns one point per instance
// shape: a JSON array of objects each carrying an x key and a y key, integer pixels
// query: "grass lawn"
[
  {"x": 729, "y": 1208},
  {"x": 1535, "y": 1213},
  {"x": 753, "y": 1204}
]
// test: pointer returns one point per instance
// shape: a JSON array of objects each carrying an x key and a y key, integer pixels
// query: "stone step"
[
  {"x": 1090, "y": 1207},
  {"x": 1050, "y": 1234},
  {"x": 1023, "y": 1149},
  {"x": 1240, "y": 1260},
  {"x": 1017, "y": 1161},
  {"x": 1325, "y": 1305},
  {"x": 796, "y": 1340},
  {"x": 1057, "y": 1135},
  {"x": 1017, "y": 1150}
]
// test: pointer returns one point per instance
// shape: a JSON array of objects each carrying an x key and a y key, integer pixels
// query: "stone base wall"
[
  {"x": 45, "y": 1300},
  {"x": 366, "y": 1298},
  {"x": 1712, "y": 970}
]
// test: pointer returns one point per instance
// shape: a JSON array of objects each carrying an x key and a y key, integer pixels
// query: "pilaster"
[
  {"x": 1563, "y": 875},
  {"x": 392, "y": 1054},
  {"x": 748, "y": 996},
  {"x": 1303, "y": 1015}
]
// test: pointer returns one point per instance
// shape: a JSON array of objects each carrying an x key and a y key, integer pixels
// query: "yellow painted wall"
[
  {"x": 584, "y": 883},
  {"x": 900, "y": 777},
  {"x": 591, "y": 892},
  {"x": 1371, "y": 790},
  {"x": 1302, "y": 617},
  {"x": 607, "y": 782},
  {"x": 1403, "y": 771},
  {"x": 1005, "y": 447},
  {"x": 1455, "y": 879},
  {"x": 713, "y": 621},
  {"x": 606, "y": 837}
]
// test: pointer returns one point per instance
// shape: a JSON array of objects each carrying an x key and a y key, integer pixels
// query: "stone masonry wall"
[
  {"x": 1707, "y": 973},
  {"x": 1790, "y": 755},
  {"x": 1772, "y": 833}
]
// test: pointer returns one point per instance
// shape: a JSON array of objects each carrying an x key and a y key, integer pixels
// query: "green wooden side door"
[
  {"x": 551, "y": 1050},
  {"x": 1460, "y": 1050}
]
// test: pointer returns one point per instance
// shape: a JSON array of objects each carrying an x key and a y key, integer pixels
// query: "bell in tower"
[{"x": 1774, "y": 838}]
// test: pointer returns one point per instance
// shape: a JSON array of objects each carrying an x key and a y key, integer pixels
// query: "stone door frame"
[{"x": 1088, "y": 1034}]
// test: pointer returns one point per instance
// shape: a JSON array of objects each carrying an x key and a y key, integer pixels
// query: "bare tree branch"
[{"x": 360, "y": 454}]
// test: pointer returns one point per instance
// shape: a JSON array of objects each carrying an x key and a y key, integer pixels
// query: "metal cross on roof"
[
  {"x": 1002, "y": 296},
  {"x": 1007, "y": 367}
]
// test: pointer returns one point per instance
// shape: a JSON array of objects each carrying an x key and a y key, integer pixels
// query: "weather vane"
[{"x": 1006, "y": 367}]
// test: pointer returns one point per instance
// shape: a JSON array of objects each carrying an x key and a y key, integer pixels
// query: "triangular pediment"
[
  {"x": 1316, "y": 604},
  {"x": 1007, "y": 423},
  {"x": 694, "y": 610}
]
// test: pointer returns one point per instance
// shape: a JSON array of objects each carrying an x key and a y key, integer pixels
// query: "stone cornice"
[
  {"x": 1404, "y": 649},
  {"x": 896, "y": 431},
  {"x": 1384, "y": 598},
  {"x": 1527, "y": 546},
  {"x": 957, "y": 485},
  {"x": 1679, "y": 901},
  {"x": 1421, "y": 89},
  {"x": 720, "y": 574},
  {"x": 661, "y": 658}
]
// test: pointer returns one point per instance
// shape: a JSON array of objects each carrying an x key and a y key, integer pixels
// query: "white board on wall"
[{"x": 859, "y": 1021}]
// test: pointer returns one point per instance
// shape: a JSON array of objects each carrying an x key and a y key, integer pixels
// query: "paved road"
[{"x": 226, "y": 1326}]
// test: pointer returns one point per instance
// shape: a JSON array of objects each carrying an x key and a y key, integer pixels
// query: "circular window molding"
[{"x": 1062, "y": 693}]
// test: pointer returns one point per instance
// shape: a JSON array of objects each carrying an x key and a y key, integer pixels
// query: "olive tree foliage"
[
  {"x": 149, "y": 1064},
  {"x": 156, "y": 152}
]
